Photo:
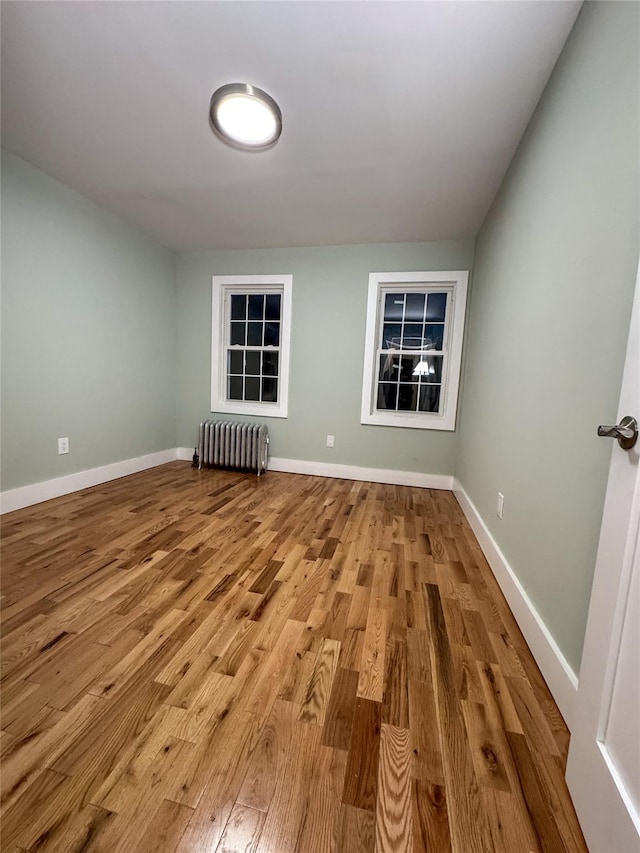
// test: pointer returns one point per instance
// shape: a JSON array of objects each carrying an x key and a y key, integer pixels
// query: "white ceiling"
[{"x": 399, "y": 118}]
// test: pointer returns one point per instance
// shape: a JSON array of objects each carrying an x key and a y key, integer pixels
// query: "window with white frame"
[
  {"x": 250, "y": 342},
  {"x": 413, "y": 349}
]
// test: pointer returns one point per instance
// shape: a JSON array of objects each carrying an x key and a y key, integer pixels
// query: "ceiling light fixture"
[{"x": 245, "y": 116}]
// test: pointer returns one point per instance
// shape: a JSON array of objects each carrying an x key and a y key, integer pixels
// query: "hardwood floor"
[{"x": 208, "y": 661}]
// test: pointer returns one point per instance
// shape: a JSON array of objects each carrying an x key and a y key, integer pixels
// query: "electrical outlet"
[
  {"x": 500, "y": 505},
  {"x": 63, "y": 445},
  {"x": 331, "y": 440}
]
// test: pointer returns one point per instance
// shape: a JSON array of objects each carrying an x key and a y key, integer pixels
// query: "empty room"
[{"x": 320, "y": 386}]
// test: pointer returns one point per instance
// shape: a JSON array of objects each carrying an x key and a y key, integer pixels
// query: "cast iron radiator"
[{"x": 225, "y": 444}]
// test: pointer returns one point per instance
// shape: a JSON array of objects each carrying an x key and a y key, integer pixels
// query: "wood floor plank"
[
  {"x": 361, "y": 778},
  {"x": 206, "y": 662},
  {"x": 394, "y": 830}
]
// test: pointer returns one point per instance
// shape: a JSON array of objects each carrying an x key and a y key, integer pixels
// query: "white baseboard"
[
  {"x": 348, "y": 472},
  {"x": 37, "y": 492},
  {"x": 368, "y": 475},
  {"x": 185, "y": 454},
  {"x": 560, "y": 677}
]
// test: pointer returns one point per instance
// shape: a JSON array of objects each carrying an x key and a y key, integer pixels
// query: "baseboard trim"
[
  {"x": 348, "y": 472},
  {"x": 185, "y": 454},
  {"x": 36, "y": 493},
  {"x": 557, "y": 672},
  {"x": 368, "y": 475}
]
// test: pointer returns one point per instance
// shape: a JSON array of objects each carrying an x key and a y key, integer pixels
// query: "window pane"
[
  {"x": 251, "y": 388},
  {"x": 235, "y": 360},
  {"x": 408, "y": 367},
  {"x": 391, "y": 336},
  {"x": 407, "y": 397},
  {"x": 234, "y": 388},
  {"x": 238, "y": 307},
  {"x": 238, "y": 332},
  {"x": 272, "y": 309},
  {"x": 253, "y": 364},
  {"x": 433, "y": 336},
  {"x": 436, "y": 305},
  {"x": 393, "y": 307},
  {"x": 256, "y": 306},
  {"x": 430, "y": 398},
  {"x": 272, "y": 335},
  {"x": 254, "y": 335},
  {"x": 414, "y": 310},
  {"x": 389, "y": 368},
  {"x": 270, "y": 390},
  {"x": 387, "y": 395},
  {"x": 269, "y": 363},
  {"x": 429, "y": 369},
  {"x": 412, "y": 336}
]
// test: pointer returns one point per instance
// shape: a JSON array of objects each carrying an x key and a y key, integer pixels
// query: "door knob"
[{"x": 626, "y": 432}]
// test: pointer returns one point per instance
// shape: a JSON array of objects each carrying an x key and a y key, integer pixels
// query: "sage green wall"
[
  {"x": 327, "y": 349},
  {"x": 88, "y": 332},
  {"x": 552, "y": 288}
]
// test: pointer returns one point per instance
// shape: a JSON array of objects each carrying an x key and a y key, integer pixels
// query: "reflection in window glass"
[
  {"x": 272, "y": 335},
  {"x": 393, "y": 307},
  {"x": 387, "y": 395},
  {"x": 429, "y": 398},
  {"x": 391, "y": 336},
  {"x": 436, "y": 307},
  {"x": 414, "y": 307},
  {"x": 269, "y": 363},
  {"x": 412, "y": 325},
  {"x": 269, "y": 390},
  {"x": 407, "y": 397}
]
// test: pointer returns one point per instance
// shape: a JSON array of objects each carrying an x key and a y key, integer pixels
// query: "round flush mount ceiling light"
[{"x": 245, "y": 116}]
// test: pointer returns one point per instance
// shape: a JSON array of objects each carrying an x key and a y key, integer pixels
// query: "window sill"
[
  {"x": 265, "y": 410},
  {"x": 397, "y": 419}
]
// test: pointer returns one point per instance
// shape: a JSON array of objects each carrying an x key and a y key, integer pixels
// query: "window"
[
  {"x": 413, "y": 349},
  {"x": 251, "y": 326}
]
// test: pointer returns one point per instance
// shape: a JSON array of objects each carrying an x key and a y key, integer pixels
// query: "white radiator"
[{"x": 226, "y": 444}]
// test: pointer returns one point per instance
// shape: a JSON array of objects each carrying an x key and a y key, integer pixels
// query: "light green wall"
[
  {"x": 327, "y": 349},
  {"x": 552, "y": 287},
  {"x": 88, "y": 332}
]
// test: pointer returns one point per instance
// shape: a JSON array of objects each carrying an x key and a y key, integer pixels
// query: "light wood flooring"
[{"x": 208, "y": 661}]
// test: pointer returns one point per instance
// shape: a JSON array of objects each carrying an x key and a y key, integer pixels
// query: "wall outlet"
[
  {"x": 331, "y": 440},
  {"x": 500, "y": 505},
  {"x": 63, "y": 445}
]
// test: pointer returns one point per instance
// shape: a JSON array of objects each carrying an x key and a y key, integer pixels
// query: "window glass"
[
  {"x": 414, "y": 307},
  {"x": 238, "y": 334},
  {"x": 254, "y": 325},
  {"x": 393, "y": 307},
  {"x": 436, "y": 306},
  {"x": 413, "y": 348},
  {"x": 238, "y": 307},
  {"x": 272, "y": 306},
  {"x": 256, "y": 306}
]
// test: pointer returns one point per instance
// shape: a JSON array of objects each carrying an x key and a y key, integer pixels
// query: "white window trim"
[
  {"x": 455, "y": 280},
  {"x": 222, "y": 286}
]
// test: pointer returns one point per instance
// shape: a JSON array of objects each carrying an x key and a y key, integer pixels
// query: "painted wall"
[
  {"x": 552, "y": 288},
  {"x": 88, "y": 332},
  {"x": 327, "y": 350}
]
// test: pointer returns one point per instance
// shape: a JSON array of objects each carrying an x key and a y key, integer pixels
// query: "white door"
[{"x": 603, "y": 770}]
